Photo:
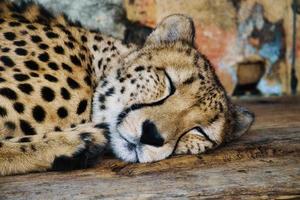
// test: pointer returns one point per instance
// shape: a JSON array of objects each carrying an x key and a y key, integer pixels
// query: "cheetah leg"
[
  {"x": 73, "y": 148},
  {"x": 193, "y": 143}
]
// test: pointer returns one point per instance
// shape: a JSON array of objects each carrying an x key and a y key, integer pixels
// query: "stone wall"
[
  {"x": 105, "y": 15},
  {"x": 248, "y": 41}
]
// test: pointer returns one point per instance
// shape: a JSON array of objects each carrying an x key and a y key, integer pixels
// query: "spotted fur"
[{"x": 67, "y": 92}]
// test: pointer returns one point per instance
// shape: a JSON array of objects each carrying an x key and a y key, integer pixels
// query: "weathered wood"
[{"x": 263, "y": 164}]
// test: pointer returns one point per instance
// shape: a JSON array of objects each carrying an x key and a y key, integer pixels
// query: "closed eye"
[{"x": 133, "y": 107}]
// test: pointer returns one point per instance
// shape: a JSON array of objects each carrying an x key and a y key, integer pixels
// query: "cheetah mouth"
[{"x": 132, "y": 147}]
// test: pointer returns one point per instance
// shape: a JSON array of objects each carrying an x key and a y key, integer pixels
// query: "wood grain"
[{"x": 263, "y": 164}]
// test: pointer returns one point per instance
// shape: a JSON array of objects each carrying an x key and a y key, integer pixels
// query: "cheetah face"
[{"x": 165, "y": 90}]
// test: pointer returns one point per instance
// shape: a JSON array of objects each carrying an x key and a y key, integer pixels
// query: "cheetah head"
[{"x": 162, "y": 91}]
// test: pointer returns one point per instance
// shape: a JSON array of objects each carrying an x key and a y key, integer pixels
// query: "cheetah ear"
[
  {"x": 243, "y": 120},
  {"x": 173, "y": 28}
]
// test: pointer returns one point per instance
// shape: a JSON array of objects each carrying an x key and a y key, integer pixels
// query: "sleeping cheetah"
[{"x": 66, "y": 92}]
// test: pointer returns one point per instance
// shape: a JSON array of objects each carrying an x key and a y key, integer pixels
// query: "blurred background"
[{"x": 253, "y": 44}]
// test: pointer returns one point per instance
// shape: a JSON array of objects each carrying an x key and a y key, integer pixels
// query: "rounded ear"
[
  {"x": 243, "y": 120},
  {"x": 173, "y": 28}
]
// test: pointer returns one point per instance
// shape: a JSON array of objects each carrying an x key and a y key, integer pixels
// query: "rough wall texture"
[
  {"x": 105, "y": 15},
  {"x": 249, "y": 41}
]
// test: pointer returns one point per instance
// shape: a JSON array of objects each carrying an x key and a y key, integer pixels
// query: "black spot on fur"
[
  {"x": 5, "y": 49},
  {"x": 43, "y": 46},
  {"x": 122, "y": 90},
  {"x": 75, "y": 60},
  {"x": 83, "y": 39},
  {"x": 10, "y": 125},
  {"x": 38, "y": 113},
  {"x": 9, "y": 36},
  {"x": 24, "y": 139},
  {"x": 102, "y": 126},
  {"x": 26, "y": 128},
  {"x": 21, "y": 77},
  {"x": 44, "y": 57},
  {"x": 52, "y": 35},
  {"x": 36, "y": 38},
  {"x": 2, "y": 80},
  {"x": 101, "y": 98},
  {"x": 20, "y": 43},
  {"x": 57, "y": 129},
  {"x": 31, "y": 27},
  {"x": 139, "y": 68},
  {"x": 59, "y": 50},
  {"x": 32, "y": 65},
  {"x": 8, "y": 93},
  {"x": 88, "y": 81},
  {"x": 26, "y": 88},
  {"x": 65, "y": 93},
  {"x": 70, "y": 45},
  {"x": 189, "y": 80},
  {"x": 23, "y": 149},
  {"x": 3, "y": 111},
  {"x": 53, "y": 66},
  {"x": 98, "y": 38},
  {"x": 32, "y": 147},
  {"x": 81, "y": 106},
  {"x": 47, "y": 94},
  {"x": 16, "y": 70},
  {"x": 21, "y": 51},
  {"x": 100, "y": 63},
  {"x": 14, "y": 24},
  {"x": 95, "y": 47},
  {"x": 50, "y": 78},
  {"x": 67, "y": 67},
  {"x": 105, "y": 49},
  {"x": 19, "y": 107},
  {"x": 72, "y": 83},
  {"x": 110, "y": 91},
  {"x": 33, "y": 74},
  {"x": 7, "y": 61},
  {"x": 62, "y": 112},
  {"x": 201, "y": 77},
  {"x": 24, "y": 32}
]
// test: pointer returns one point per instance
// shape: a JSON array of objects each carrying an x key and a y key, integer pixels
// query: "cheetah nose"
[{"x": 150, "y": 135}]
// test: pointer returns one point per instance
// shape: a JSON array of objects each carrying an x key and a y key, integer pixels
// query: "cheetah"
[{"x": 68, "y": 94}]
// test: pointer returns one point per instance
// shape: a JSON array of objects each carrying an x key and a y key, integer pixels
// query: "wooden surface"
[{"x": 263, "y": 164}]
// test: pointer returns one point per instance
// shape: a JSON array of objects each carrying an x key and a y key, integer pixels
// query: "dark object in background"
[{"x": 136, "y": 33}]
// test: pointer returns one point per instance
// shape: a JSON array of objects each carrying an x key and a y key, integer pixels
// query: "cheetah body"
[{"x": 65, "y": 91}]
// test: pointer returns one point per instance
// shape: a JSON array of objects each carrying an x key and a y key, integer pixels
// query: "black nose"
[{"x": 150, "y": 135}]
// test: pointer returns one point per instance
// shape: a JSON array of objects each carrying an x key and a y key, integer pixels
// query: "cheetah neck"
[{"x": 107, "y": 53}]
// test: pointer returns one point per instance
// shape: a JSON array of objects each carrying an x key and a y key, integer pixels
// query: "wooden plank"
[{"x": 263, "y": 164}]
